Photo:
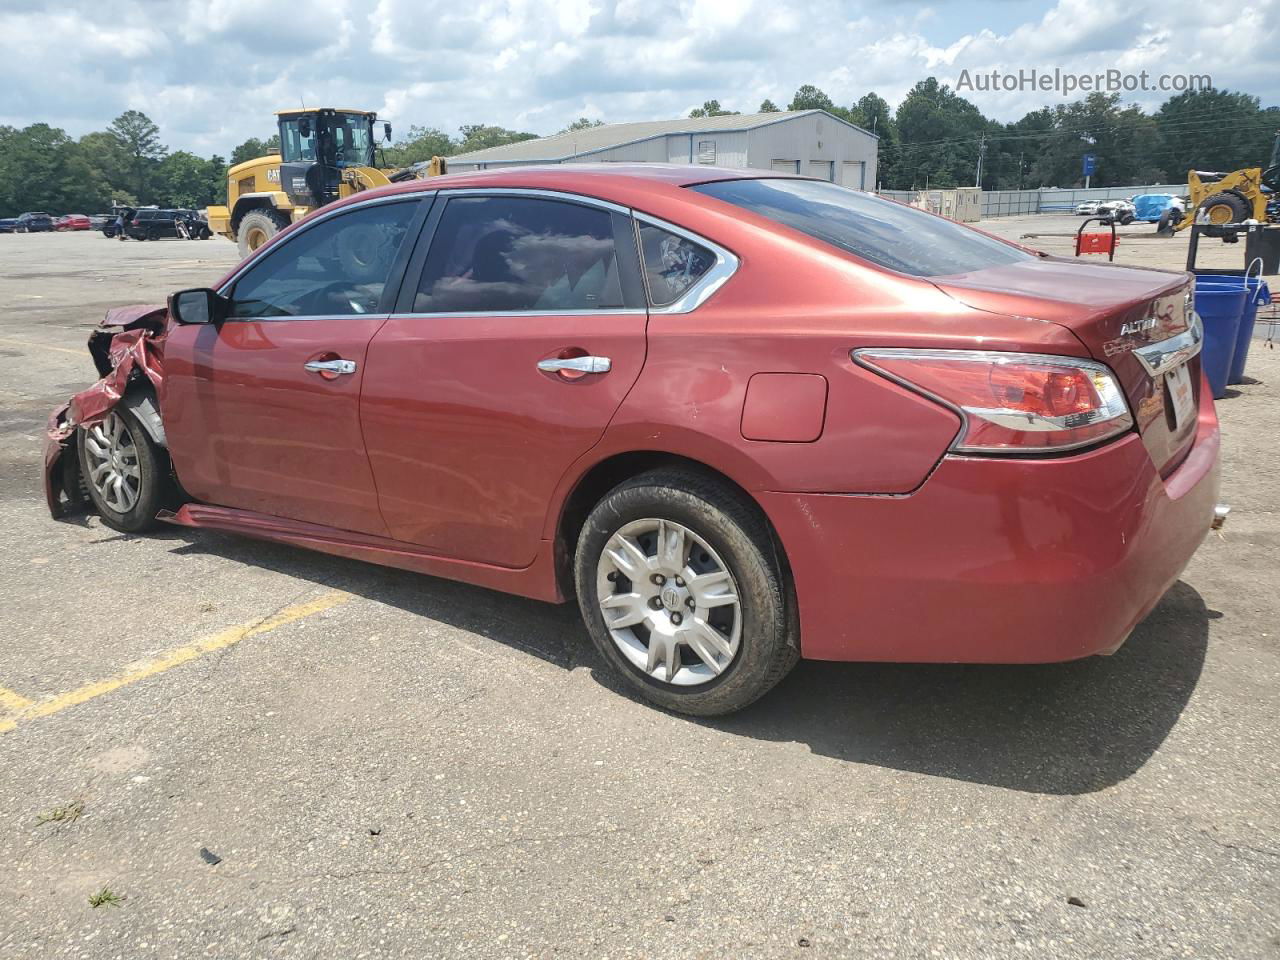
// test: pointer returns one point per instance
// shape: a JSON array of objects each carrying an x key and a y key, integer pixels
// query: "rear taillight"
[
  {"x": 1012, "y": 402},
  {"x": 133, "y": 223}
]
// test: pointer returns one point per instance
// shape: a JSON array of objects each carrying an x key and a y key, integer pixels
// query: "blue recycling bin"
[
  {"x": 1220, "y": 307},
  {"x": 1257, "y": 294}
]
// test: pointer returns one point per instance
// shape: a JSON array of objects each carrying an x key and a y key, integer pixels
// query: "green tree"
[
  {"x": 872, "y": 112},
  {"x": 810, "y": 97},
  {"x": 139, "y": 139},
  {"x": 478, "y": 136},
  {"x": 41, "y": 168},
  {"x": 1125, "y": 141},
  {"x": 253, "y": 148},
  {"x": 422, "y": 143},
  {"x": 711, "y": 108},
  {"x": 1214, "y": 130},
  {"x": 582, "y": 123},
  {"x": 186, "y": 180},
  {"x": 939, "y": 134},
  {"x": 767, "y": 106}
]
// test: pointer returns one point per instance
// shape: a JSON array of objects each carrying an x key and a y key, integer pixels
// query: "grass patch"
[
  {"x": 68, "y": 814},
  {"x": 105, "y": 897}
]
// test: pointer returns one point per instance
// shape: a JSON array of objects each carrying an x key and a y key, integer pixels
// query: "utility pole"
[
  {"x": 1020, "y": 169},
  {"x": 982, "y": 149}
]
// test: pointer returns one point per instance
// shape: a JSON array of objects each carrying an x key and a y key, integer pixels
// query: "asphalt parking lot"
[{"x": 267, "y": 752}]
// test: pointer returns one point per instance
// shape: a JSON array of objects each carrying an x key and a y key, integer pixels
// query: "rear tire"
[
  {"x": 1226, "y": 205},
  {"x": 704, "y": 625},
  {"x": 256, "y": 228},
  {"x": 125, "y": 472}
]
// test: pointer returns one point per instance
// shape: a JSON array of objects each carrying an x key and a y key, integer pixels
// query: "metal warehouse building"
[{"x": 812, "y": 142}]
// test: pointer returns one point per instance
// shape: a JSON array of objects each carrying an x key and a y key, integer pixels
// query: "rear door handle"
[
  {"x": 331, "y": 367},
  {"x": 576, "y": 365}
]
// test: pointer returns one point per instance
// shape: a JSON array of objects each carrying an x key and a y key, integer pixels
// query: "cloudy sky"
[{"x": 210, "y": 72}]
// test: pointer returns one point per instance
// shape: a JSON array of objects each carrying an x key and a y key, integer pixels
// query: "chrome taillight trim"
[{"x": 1115, "y": 407}]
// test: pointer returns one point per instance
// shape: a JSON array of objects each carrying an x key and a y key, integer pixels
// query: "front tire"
[
  {"x": 684, "y": 594},
  {"x": 124, "y": 471},
  {"x": 256, "y": 228}
]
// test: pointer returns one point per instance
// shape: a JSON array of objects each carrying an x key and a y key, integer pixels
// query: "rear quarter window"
[{"x": 887, "y": 234}]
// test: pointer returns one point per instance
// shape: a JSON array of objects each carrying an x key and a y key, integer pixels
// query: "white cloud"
[{"x": 210, "y": 72}]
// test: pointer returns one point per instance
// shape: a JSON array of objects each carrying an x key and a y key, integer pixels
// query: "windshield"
[
  {"x": 352, "y": 145},
  {"x": 888, "y": 234}
]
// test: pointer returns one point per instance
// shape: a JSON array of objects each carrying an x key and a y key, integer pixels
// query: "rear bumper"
[{"x": 998, "y": 560}]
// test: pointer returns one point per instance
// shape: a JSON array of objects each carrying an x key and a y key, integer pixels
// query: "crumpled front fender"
[{"x": 127, "y": 346}]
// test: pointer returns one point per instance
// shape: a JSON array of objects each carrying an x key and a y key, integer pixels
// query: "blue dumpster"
[
  {"x": 1257, "y": 294},
  {"x": 1220, "y": 307}
]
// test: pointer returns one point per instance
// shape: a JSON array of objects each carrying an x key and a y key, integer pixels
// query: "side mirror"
[
  {"x": 304, "y": 128},
  {"x": 200, "y": 305},
  {"x": 386, "y": 132}
]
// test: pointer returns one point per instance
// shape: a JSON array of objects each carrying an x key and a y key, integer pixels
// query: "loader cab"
[{"x": 315, "y": 147}]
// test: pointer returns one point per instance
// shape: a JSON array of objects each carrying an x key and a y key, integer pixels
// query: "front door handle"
[
  {"x": 576, "y": 365},
  {"x": 332, "y": 368}
]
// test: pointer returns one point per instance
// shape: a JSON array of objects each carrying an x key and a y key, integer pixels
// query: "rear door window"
[
  {"x": 888, "y": 234},
  {"x": 672, "y": 263},
  {"x": 504, "y": 254}
]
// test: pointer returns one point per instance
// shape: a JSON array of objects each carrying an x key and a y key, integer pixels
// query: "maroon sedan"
[{"x": 741, "y": 418}]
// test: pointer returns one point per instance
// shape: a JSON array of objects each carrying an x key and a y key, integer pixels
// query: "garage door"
[
  {"x": 822, "y": 169},
  {"x": 786, "y": 166},
  {"x": 853, "y": 173}
]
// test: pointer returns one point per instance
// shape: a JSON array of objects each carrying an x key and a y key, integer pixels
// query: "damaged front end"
[{"x": 128, "y": 350}]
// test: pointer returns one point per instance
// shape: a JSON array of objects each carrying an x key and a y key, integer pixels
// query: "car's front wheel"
[
  {"x": 125, "y": 472},
  {"x": 682, "y": 591}
]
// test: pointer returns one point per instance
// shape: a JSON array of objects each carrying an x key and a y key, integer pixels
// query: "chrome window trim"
[
  {"x": 580, "y": 312},
  {"x": 321, "y": 218},
  {"x": 717, "y": 276},
  {"x": 1159, "y": 358},
  {"x": 536, "y": 193}
]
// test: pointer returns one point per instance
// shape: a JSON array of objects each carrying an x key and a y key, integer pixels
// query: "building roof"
[{"x": 576, "y": 143}]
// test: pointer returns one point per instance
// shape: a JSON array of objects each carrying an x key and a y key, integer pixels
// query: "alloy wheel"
[
  {"x": 113, "y": 463},
  {"x": 669, "y": 602}
]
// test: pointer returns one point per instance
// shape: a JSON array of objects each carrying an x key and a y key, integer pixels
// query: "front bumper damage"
[{"x": 127, "y": 347}]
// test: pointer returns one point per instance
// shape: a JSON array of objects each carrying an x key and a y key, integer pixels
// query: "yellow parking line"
[
  {"x": 174, "y": 658},
  {"x": 43, "y": 346},
  {"x": 13, "y": 702}
]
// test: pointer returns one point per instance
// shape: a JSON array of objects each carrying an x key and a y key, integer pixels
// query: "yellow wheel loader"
[
  {"x": 1218, "y": 198},
  {"x": 325, "y": 154}
]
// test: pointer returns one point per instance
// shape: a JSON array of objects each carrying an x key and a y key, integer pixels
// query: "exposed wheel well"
[{"x": 606, "y": 475}]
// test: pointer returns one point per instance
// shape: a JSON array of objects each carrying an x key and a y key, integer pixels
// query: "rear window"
[{"x": 888, "y": 234}]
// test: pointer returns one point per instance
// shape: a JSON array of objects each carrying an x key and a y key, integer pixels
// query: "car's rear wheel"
[
  {"x": 683, "y": 593},
  {"x": 124, "y": 471}
]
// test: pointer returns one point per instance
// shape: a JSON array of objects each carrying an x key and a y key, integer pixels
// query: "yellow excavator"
[
  {"x": 1249, "y": 194},
  {"x": 325, "y": 154}
]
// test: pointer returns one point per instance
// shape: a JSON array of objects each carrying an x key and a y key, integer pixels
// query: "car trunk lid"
[{"x": 1117, "y": 313}]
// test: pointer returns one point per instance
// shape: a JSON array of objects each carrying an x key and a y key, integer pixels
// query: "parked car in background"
[
  {"x": 99, "y": 220},
  {"x": 72, "y": 221},
  {"x": 1149, "y": 207},
  {"x": 112, "y": 227},
  {"x": 1117, "y": 211},
  {"x": 8, "y": 224},
  {"x": 150, "y": 224},
  {"x": 1087, "y": 208},
  {"x": 34, "y": 223},
  {"x": 741, "y": 419}
]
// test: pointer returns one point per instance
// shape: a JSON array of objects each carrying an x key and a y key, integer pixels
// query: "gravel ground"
[{"x": 359, "y": 762}]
